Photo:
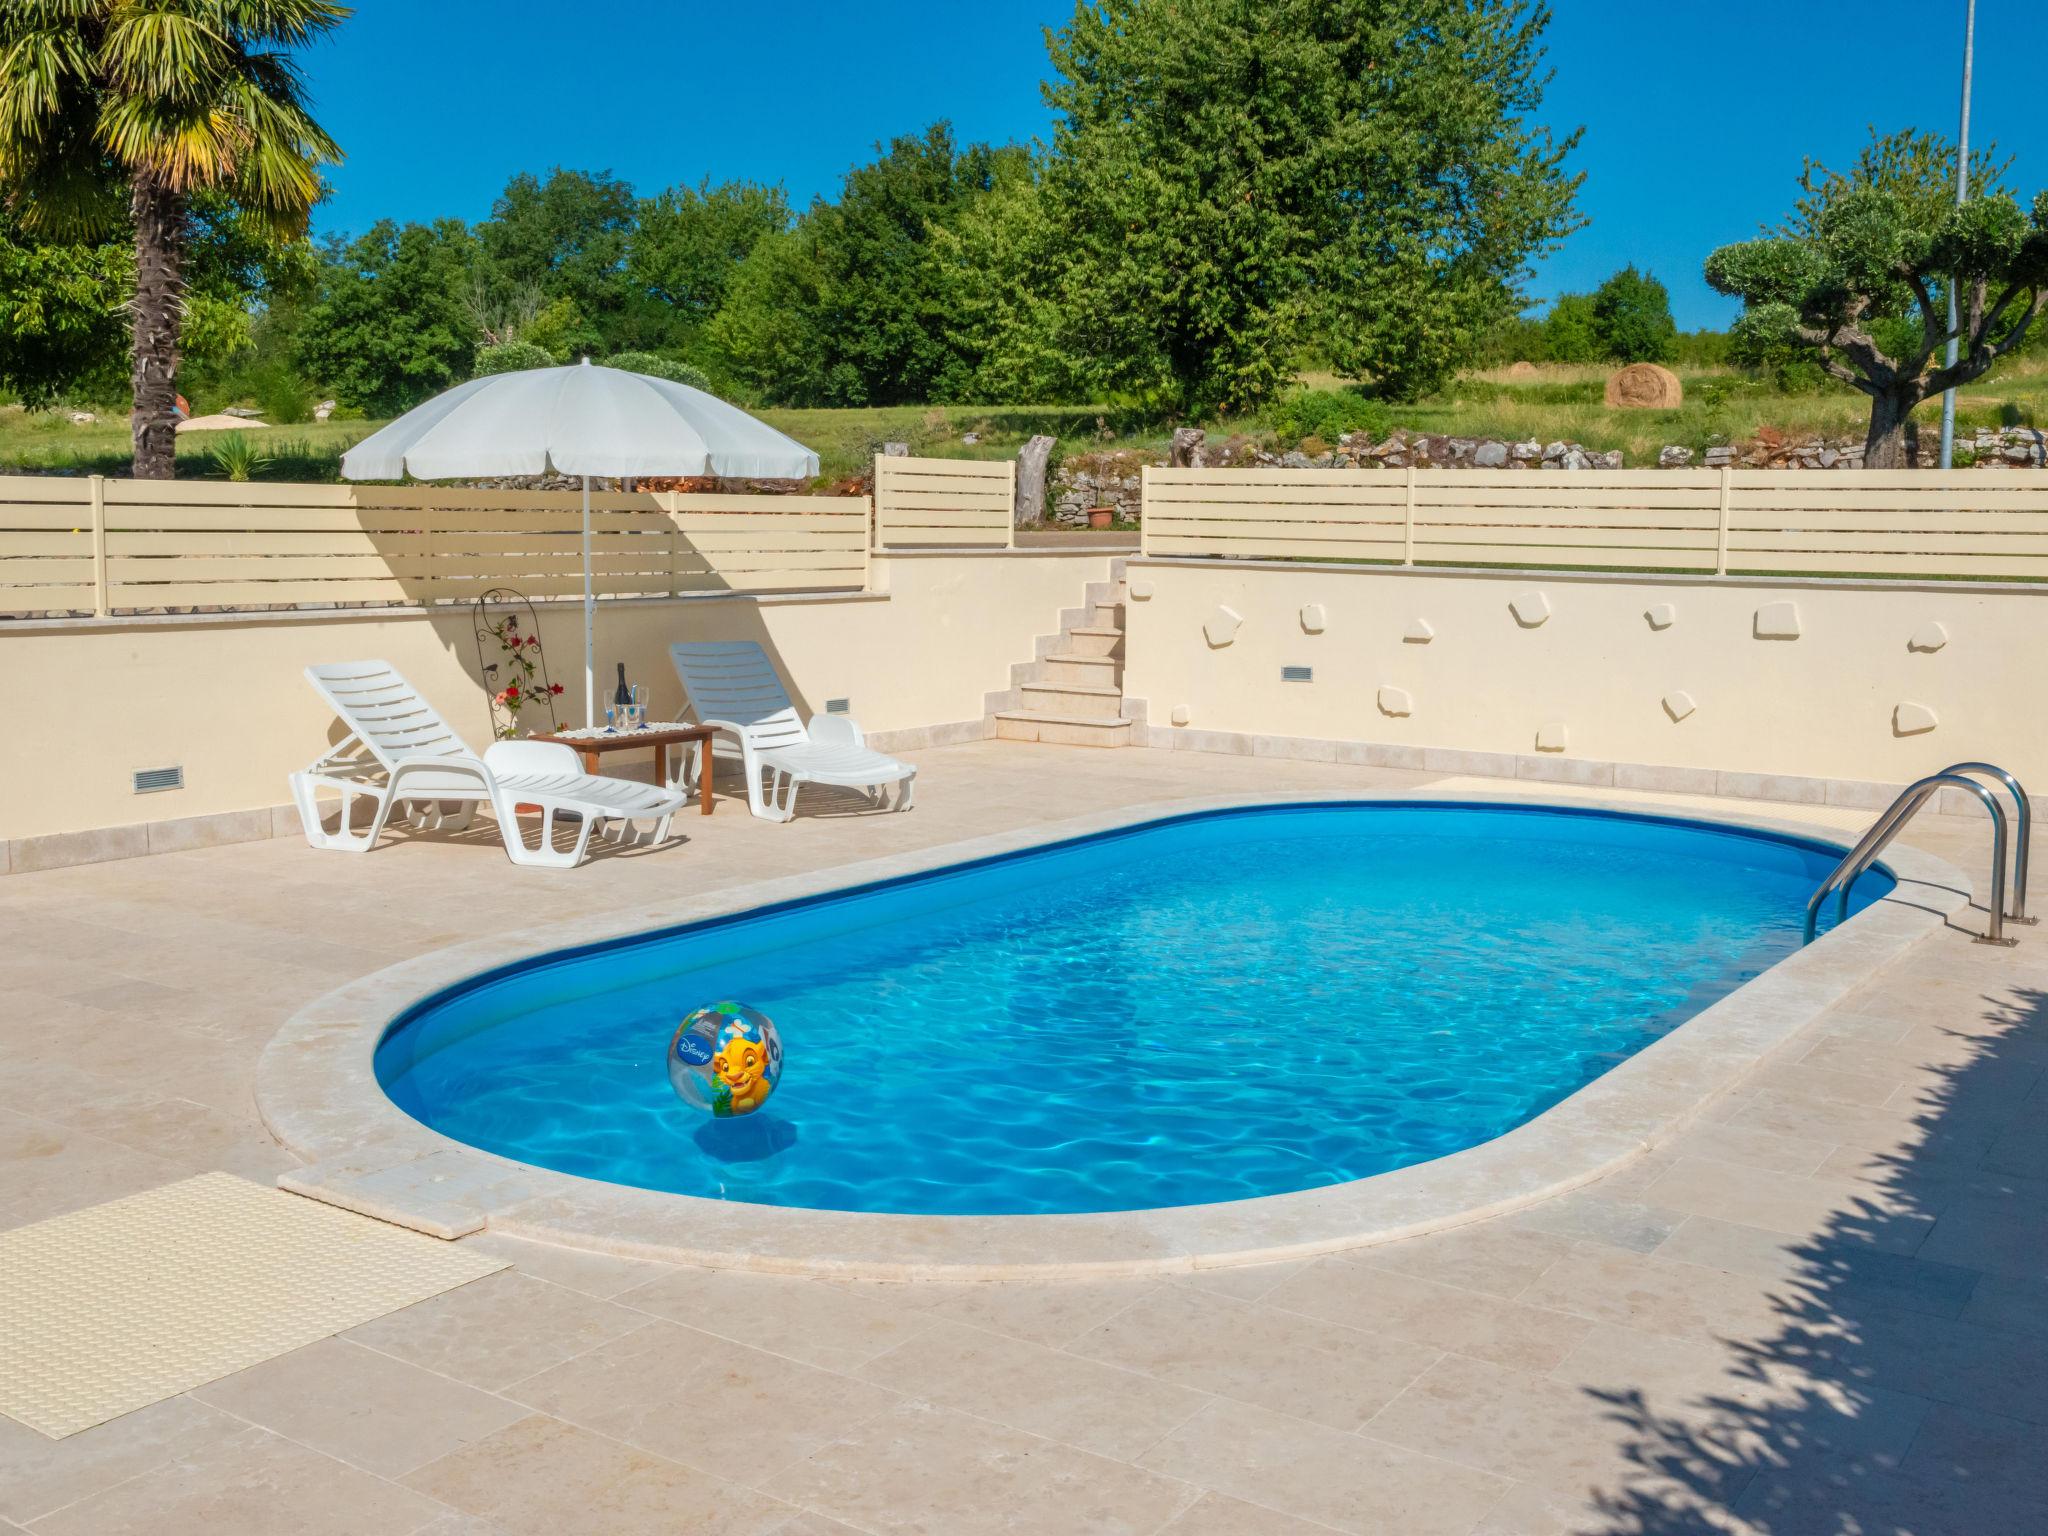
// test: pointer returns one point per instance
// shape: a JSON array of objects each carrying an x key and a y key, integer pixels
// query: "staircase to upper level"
[{"x": 1072, "y": 694}]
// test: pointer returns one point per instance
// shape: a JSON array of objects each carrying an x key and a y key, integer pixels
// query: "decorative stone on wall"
[
  {"x": 1661, "y": 615},
  {"x": 1913, "y": 719},
  {"x": 1221, "y": 627},
  {"x": 1313, "y": 618},
  {"x": 1140, "y": 591},
  {"x": 1396, "y": 701},
  {"x": 1419, "y": 632},
  {"x": 1553, "y": 737},
  {"x": 1678, "y": 704},
  {"x": 1777, "y": 621},
  {"x": 1931, "y": 636},
  {"x": 1181, "y": 714},
  {"x": 1530, "y": 609}
]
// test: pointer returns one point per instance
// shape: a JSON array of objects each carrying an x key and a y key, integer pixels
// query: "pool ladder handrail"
[{"x": 1904, "y": 808}]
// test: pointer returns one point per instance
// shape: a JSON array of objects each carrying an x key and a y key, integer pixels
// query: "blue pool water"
[{"x": 1205, "y": 1008}]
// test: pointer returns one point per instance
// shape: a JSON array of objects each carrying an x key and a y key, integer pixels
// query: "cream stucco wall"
[
  {"x": 1821, "y": 705},
  {"x": 88, "y": 703}
]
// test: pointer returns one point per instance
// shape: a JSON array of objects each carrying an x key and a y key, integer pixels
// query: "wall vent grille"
[
  {"x": 838, "y": 706},
  {"x": 1297, "y": 674},
  {"x": 149, "y": 780}
]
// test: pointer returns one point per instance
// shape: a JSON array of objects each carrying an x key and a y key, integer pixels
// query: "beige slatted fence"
[
  {"x": 126, "y": 546},
  {"x": 52, "y": 545},
  {"x": 1962, "y": 525},
  {"x": 954, "y": 503}
]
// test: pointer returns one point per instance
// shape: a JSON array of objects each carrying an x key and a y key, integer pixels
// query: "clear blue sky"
[{"x": 1697, "y": 112}]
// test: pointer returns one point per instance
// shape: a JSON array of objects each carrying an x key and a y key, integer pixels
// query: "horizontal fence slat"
[
  {"x": 961, "y": 502},
  {"x": 261, "y": 545},
  {"x": 1964, "y": 525}
]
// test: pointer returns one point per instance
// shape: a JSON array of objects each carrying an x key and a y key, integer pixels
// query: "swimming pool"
[{"x": 1209, "y": 1007}]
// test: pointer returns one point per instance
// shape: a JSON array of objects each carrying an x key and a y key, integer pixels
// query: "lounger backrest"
[
  {"x": 733, "y": 680},
  {"x": 385, "y": 711}
]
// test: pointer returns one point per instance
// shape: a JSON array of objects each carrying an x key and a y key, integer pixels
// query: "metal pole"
[
  {"x": 1948, "y": 396},
  {"x": 589, "y": 621}
]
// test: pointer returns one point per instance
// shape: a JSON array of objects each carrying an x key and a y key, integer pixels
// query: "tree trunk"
[
  {"x": 1885, "y": 445},
  {"x": 159, "y": 308},
  {"x": 1031, "y": 466}
]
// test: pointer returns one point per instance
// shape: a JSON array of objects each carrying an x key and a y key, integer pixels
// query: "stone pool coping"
[{"x": 318, "y": 1093}]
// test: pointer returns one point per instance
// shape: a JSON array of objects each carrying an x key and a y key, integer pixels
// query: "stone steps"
[
  {"x": 1072, "y": 694},
  {"x": 1084, "y": 670},
  {"x": 1095, "y": 640},
  {"x": 1074, "y": 699},
  {"x": 1061, "y": 730}
]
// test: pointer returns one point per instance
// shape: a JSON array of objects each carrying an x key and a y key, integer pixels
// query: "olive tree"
[{"x": 1858, "y": 278}]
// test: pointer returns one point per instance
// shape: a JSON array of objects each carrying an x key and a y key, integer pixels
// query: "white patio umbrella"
[{"x": 577, "y": 421}]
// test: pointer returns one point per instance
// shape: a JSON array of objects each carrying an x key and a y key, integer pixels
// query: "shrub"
[
  {"x": 283, "y": 397},
  {"x": 237, "y": 457},
  {"x": 1328, "y": 414},
  {"x": 654, "y": 365},
  {"x": 512, "y": 357}
]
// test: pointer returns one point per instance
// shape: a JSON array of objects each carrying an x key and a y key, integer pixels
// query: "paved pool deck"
[{"x": 1823, "y": 1308}]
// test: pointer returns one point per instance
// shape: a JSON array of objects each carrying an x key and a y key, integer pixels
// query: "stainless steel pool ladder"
[{"x": 1902, "y": 810}]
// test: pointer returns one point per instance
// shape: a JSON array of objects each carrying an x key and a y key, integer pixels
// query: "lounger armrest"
[
  {"x": 454, "y": 762},
  {"x": 836, "y": 731},
  {"x": 510, "y": 757}
]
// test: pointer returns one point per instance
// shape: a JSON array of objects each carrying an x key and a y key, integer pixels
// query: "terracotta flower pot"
[{"x": 1101, "y": 517}]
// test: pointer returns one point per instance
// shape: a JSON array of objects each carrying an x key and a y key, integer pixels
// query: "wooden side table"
[{"x": 659, "y": 738}]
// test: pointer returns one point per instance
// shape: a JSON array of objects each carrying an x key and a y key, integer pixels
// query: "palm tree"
[{"x": 160, "y": 98}]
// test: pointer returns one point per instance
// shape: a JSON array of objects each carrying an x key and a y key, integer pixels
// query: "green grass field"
[{"x": 1562, "y": 403}]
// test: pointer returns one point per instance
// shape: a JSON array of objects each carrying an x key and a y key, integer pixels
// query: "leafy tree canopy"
[
  {"x": 850, "y": 307},
  {"x": 1233, "y": 183},
  {"x": 1632, "y": 318},
  {"x": 1571, "y": 331},
  {"x": 65, "y": 302},
  {"x": 1856, "y": 278},
  {"x": 391, "y": 326},
  {"x": 565, "y": 237},
  {"x": 689, "y": 240}
]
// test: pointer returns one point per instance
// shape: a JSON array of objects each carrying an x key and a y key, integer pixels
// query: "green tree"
[
  {"x": 1856, "y": 278},
  {"x": 1235, "y": 183},
  {"x": 391, "y": 326},
  {"x": 1571, "y": 331},
  {"x": 62, "y": 326},
  {"x": 567, "y": 238},
  {"x": 1632, "y": 318},
  {"x": 688, "y": 241},
  {"x": 560, "y": 330},
  {"x": 769, "y": 334},
  {"x": 166, "y": 100},
  {"x": 850, "y": 307},
  {"x": 64, "y": 303}
]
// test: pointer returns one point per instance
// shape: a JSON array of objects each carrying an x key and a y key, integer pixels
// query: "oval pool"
[{"x": 1210, "y": 1007}]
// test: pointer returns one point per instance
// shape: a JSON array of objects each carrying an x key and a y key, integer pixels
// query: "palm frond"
[
  {"x": 294, "y": 23},
  {"x": 37, "y": 68},
  {"x": 169, "y": 55}
]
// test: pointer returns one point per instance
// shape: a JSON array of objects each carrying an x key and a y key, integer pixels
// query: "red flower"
[
  {"x": 554, "y": 688},
  {"x": 512, "y": 691}
]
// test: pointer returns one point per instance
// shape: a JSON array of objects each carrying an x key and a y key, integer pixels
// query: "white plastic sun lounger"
[
  {"x": 732, "y": 686},
  {"x": 401, "y": 755}
]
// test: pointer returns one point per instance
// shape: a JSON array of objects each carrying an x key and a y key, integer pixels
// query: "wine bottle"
[{"x": 624, "y": 697}]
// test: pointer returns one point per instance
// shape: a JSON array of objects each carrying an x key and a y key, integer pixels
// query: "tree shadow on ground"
[{"x": 1905, "y": 1388}]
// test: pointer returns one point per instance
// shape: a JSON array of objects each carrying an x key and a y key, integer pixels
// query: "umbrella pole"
[{"x": 589, "y": 621}]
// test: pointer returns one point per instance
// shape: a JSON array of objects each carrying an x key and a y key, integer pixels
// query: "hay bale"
[
  {"x": 1524, "y": 370},
  {"x": 1644, "y": 387}
]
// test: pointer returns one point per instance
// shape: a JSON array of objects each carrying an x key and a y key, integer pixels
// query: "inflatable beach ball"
[{"x": 725, "y": 1059}]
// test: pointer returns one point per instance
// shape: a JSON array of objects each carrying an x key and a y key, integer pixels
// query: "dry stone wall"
[{"x": 1112, "y": 478}]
